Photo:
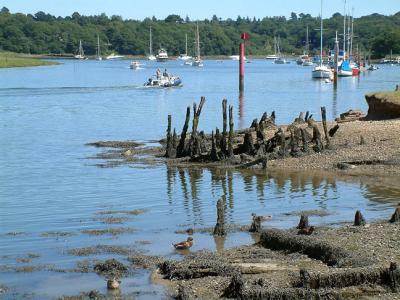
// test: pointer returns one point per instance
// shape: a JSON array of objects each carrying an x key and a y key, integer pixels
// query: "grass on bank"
[
  {"x": 12, "y": 60},
  {"x": 388, "y": 96}
]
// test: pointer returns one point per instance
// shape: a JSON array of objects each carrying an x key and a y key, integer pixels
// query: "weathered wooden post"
[
  {"x": 219, "y": 228},
  {"x": 230, "y": 138},
  {"x": 359, "y": 219},
  {"x": 169, "y": 138},
  {"x": 214, "y": 152},
  {"x": 224, "y": 126},
  {"x": 323, "y": 113},
  {"x": 303, "y": 222},
  {"x": 304, "y": 140},
  {"x": 396, "y": 216},
  {"x": 194, "y": 140},
  {"x": 181, "y": 145},
  {"x": 255, "y": 224}
]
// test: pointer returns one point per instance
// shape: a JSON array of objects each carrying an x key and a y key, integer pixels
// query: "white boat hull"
[
  {"x": 342, "y": 73},
  {"x": 197, "y": 63},
  {"x": 322, "y": 73}
]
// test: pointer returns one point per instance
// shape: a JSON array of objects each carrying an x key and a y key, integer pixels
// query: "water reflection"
[{"x": 276, "y": 192}]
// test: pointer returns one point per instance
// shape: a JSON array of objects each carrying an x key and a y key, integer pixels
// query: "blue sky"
[{"x": 200, "y": 9}]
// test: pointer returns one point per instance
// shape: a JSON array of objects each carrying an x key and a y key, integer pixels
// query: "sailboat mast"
[
  {"x": 186, "y": 52},
  {"x": 151, "y": 44},
  {"x": 307, "y": 45},
  {"x": 197, "y": 42},
  {"x": 348, "y": 35},
  {"x": 80, "y": 48},
  {"x": 98, "y": 46},
  {"x": 344, "y": 30},
  {"x": 352, "y": 32},
  {"x": 322, "y": 28}
]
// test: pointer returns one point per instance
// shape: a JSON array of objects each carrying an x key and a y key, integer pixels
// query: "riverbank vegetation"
[
  {"x": 11, "y": 60},
  {"x": 43, "y": 33}
]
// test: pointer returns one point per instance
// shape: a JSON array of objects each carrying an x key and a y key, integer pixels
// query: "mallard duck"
[
  {"x": 184, "y": 245},
  {"x": 113, "y": 284},
  {"x": 306, "y": 230},
  {"x": 260, "y": 218}
]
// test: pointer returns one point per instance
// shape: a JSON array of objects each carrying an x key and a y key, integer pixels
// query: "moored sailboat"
[
  {"x": 322, "y": 71},
  {"x": 98, "y": 55},
  {"x": 81, "y": 53},
  {"x": 151, "y": 56},
  {"x": 197, "y": 62},
  {"x": 279, "y": 60},
  {"x": 185, "y": 56}
]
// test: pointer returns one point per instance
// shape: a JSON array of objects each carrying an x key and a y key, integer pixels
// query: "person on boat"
[
  {"x": 158, "y": 73},
  {"x": 165, "y": 74}
]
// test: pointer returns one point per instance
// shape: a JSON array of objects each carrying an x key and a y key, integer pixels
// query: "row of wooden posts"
[
  {"x": 219, "y": 146},
  {"x": 255, "y": 226}
]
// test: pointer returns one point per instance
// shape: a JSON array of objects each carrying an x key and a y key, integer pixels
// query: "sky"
[{"x": 200, "y": 9}]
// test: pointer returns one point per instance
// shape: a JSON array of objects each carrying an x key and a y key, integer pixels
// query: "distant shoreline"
[{"x": 14, "y": 60}]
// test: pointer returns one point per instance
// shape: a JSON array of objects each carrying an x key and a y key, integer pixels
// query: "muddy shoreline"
[{"x": 333, "y": 263}]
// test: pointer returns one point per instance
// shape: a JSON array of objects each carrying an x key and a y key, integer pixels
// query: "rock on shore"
[{"x": 383, "y": 105}]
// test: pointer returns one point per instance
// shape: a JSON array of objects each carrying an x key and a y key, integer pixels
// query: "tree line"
[{"x": 43, "y": 33}]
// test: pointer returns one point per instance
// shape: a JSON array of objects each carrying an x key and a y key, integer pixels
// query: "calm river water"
[{"x": 50, "y": 192}]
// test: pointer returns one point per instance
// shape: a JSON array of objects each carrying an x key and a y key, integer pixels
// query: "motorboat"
[
  {"x": 114, "y": 56},
  {"x": 135, "y": 65},
  {"x": 236, "y": 57},
  {"x": 162, "y": 55},
  {"x": 372, "y": 68},
  {"x": 307, "y": 63},
  {"x": 272, "y": 57},
  {"x": 163, "y": 81},
  {"x": 188, "y": 63}
]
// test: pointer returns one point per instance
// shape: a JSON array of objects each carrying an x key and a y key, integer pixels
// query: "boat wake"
[{"x": 23, "y": 91}]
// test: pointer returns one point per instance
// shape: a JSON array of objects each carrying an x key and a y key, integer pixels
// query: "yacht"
[
  {"x": 151, "y": 56},
  {"x": 236, "y": 57},
  {"x": 321, "y": 71},
  {"x": 279, "y": 60},
  {"x": 81, "y": 54},
  {"x": 98, "y": 55},
  {"x": 273, "y": 56},
  {"x": 114, "y": 56},
  {"x": 185, "y": 56},
  {"x": 134, "y": 65},
  {"x": 162, "y": 55},
  {"x": 197, "y": 62}
]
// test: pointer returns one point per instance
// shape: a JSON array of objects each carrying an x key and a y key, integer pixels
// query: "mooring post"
[{"x": 244, "y": 37}]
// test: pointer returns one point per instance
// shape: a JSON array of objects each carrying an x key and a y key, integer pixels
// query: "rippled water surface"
[{"x": 50, "y": 192}]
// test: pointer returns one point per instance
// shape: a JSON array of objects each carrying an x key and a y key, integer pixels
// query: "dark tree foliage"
[{"x": 43, "y": 33}]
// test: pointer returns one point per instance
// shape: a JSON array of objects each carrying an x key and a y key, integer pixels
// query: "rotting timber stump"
[
  {"x": 219, "y": 228},
  {"x": 261, "y": 142}
]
